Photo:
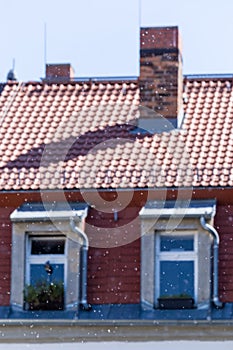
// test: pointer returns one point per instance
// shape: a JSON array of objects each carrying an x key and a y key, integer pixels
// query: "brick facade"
[{"x": 114, "y": 273}]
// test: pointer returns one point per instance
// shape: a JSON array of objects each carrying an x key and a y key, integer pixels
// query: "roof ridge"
[
  {"x": 208, "y": 76},
  {"x": 106, "y": 80}
]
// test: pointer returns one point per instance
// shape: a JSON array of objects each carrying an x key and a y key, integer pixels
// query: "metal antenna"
[
  {"x": 139, "y": 30},
  {"x": 139, "y": 12},
  {"x": 13, "y": 64},
  {"x": 45, "y": 44}
]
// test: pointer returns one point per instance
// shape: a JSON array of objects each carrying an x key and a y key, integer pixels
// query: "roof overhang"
[
  {"x": 49, "y": 211},
  {"x": 176, "y": 209}
]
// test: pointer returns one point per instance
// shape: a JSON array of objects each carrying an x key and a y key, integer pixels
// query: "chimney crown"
[{"x": 159, "y": 38}]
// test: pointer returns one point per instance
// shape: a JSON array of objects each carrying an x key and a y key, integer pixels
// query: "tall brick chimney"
[{"x": 161, "y": 79}]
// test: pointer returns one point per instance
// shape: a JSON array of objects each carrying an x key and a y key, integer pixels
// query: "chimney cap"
[
  {"x": 11, "y": 76},
  {"x": 160, "y": 37}
]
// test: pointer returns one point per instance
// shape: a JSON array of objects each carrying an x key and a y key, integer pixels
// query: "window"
[
  {"x": 176, "y": 251},
  {"x": 46, "y": 259},
  {"x": 176, "y": 264},
  {"x": 44, "y": 247}
]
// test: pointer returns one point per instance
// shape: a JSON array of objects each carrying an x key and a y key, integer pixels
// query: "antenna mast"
[
  {"x": 139, "y": 12},
  {"x": 45, "y": 44}
]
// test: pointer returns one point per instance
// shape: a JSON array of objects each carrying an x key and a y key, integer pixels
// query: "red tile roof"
[
  {"x": 82, "y": 135},
  {"x": 209, "y": 125}
]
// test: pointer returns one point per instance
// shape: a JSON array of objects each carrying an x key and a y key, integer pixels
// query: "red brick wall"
[
  {"x": 114, "y": 274},
  {"x": 224, "y": 225},
  {"x": 114, "y": 257},
  {"x": 5, "y": 255},
  {"x": 8, "y": 203}
]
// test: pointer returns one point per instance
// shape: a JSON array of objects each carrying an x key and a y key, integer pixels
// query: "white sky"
[{"x": 101, "y": 37}]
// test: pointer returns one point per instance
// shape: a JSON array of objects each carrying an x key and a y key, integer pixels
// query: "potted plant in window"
[
  {"x": 44, "y": 296},
  {"x": 178, "y": 301}
]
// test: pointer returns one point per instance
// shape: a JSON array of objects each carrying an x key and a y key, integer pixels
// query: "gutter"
[
  {"x": 83, "y": 264},
  {"x": 215, "y": 298}
]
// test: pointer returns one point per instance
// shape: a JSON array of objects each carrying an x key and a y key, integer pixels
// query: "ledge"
[
  {"x": 166, "y": 209},
  {"x": 53, "y": 331},
  {"x": 32, "y": 212},
  {"x": 127, "y": 322}
]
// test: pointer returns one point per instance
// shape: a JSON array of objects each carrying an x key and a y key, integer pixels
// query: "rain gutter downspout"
[
  {"x": 83, "y": 262},
  {"x": 216, "y": 238}
]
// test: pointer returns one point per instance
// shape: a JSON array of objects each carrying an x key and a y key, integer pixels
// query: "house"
[{"x": 120, "y": 190}]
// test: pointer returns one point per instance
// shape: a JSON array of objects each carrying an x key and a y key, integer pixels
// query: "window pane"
[
  {"x": 176, "y": 277},
  {"x": 47, "y": 246},
  {"x": 38, "y": 273},
  {"x": 176, "y": 243}
]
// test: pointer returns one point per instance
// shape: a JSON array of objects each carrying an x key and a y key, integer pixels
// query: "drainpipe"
[
  {"x": 217, "y": 303},
  {"x": 83, "y": 262}
]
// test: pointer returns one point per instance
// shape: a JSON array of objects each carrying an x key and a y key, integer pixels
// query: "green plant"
[{"x": 44, "y": 293}]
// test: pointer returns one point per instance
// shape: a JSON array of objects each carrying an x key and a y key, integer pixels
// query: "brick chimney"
[
  {"x": 62, "y": 72},
  {"x": 161, "y": 79}
]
